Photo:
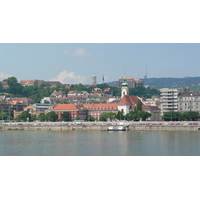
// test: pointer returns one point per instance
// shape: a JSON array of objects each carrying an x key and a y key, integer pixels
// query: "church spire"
[{"x": 124, "y": 89}]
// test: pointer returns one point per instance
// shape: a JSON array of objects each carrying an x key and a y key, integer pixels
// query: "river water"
[{"x": 99, "y": 143}]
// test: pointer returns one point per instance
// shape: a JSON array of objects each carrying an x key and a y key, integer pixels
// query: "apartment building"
[{"x": 169, "y": 100}]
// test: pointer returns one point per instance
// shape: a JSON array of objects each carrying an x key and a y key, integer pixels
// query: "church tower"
[
  {"x": 94, "y": 79},
  {"x": 124, "y": 89}
]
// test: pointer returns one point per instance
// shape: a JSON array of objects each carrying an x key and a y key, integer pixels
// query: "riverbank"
[{"x": 100, "y": 126}]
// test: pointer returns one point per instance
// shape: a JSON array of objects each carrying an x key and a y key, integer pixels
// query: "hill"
[
  {"x": 168, "y": 82},
  {"x": 171, "y": 82}
]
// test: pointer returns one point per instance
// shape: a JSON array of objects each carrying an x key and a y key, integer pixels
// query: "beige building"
[
  {"x": 31, "y": 82},
  {"x": 36, "y": 109},
  {"x": 132, "y": 82},
  {"x": 188, "y": 101}
]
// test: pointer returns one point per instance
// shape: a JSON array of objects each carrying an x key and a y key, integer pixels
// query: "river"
[{"x": 99, "y": 143}]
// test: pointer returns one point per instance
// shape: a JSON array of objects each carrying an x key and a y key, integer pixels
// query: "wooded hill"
[{"x": 169, "y": 82}]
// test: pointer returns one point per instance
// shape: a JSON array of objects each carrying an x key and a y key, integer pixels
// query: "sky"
[{"x": 77, "y": 62}]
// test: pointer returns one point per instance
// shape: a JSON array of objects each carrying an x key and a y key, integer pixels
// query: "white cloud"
[
  {"x": 80, "y": 52},
  {"x": 4, "y": 76},
  {"x": 69, "y": 78}
]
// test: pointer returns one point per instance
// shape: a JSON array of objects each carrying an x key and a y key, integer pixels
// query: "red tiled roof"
[
  {"x": 150, "y": 107},
  {"x": 102, "y": 106},
  {"x": 72, "y": 91},
  {"x": 66, "y": 107},
  {"x": 15, "y": 102},
  {"x": 27, "y": 81},
  {"x": 107, "y": 90},
  {"x": 130, "y": 100}
]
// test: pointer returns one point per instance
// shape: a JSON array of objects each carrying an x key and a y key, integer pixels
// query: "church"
[{"x": 129, "y": 102}]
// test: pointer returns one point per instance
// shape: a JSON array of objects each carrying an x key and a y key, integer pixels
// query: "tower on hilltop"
[
  {"x": 94, "y": 79},
  {"x": 124, "y": 88}
]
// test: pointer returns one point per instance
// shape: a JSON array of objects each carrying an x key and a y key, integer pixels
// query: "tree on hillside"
[
  {"x": 14, "y": 86},
  {"x": 1, "y": 87},
  {"x": 12, "y": 81}
]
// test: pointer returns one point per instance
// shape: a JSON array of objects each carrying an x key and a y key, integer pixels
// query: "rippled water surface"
[{"x": 99, "y": 143}]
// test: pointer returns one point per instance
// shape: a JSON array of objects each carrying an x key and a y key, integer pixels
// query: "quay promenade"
[{"x": 101, "y": 126}]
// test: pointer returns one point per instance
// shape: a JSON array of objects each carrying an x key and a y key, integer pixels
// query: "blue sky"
[{"x": 77, "y": 62}]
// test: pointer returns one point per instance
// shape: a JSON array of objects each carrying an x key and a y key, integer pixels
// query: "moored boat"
[{"x": 118, "y": 128}]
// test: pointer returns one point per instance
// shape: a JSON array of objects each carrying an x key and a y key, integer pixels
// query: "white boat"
[
  {"x": 121, "y": 128},
  {"x": 118, "y": 128},
  {"x": 111, "y": 128}
]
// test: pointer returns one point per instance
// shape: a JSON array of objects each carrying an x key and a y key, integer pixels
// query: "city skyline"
[{"x": 77, "y": 62}]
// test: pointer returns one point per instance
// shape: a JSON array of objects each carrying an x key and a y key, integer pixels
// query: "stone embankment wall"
[{"x": 94, "y": 127}]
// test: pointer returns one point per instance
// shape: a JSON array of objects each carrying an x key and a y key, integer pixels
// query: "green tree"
[
  {"x": 139, "y": 106},
  {"x": 42, "y": 117},
  {"x": 137, "y": 115},
  {"x": 111, "y": 115},
  {"x": 132, "y": 115},
  {"x": 4, "y": 116},
  {"x": 80, "y": 87},
  {"x": 14, "y": 86},
  {"x": 144, "y": 115},
  {"x": 107, "y": 115},
  {"x": 120, "y": 115},
  {"x": 1, "y": 87},
  {"x": 51, "y": 116},
  {"x": 32, "y": 118},
  {"x": 24, "y": 116},
  {"x": 172, "y": 116},
  {"x": 190, "y": 116},
  {"x": 91, "y": 118},
  {"x": 12, "y": 81},
  {"x": 66, "y": 116},
  {"x": 103, "y": 117}
]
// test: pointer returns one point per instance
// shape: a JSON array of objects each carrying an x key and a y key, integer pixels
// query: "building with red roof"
[
  {"x": 74, "y": 110},
  {"x": 95, "y": 110},
  {"x": 129, "y": 102}
]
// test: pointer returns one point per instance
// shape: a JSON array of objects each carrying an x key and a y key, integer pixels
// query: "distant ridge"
[{"x": 167, "y": 82}]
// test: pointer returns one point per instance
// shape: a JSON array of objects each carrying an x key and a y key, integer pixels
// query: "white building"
[{"x": 169, "y": 100}]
